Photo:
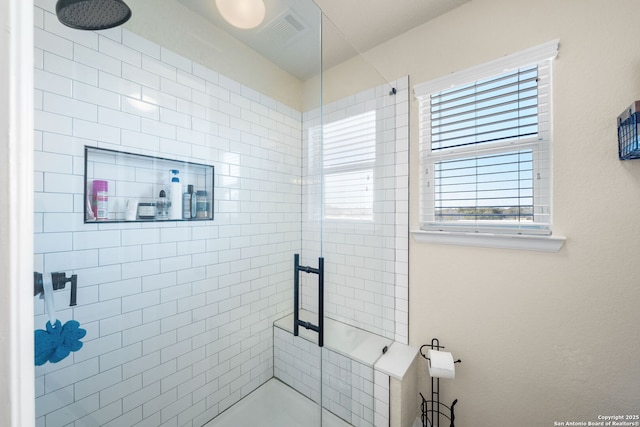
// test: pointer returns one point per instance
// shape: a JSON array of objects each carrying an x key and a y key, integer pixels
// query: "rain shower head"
[{"x": 92, "y": 14}]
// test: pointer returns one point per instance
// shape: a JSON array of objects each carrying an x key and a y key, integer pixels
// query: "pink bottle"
[{"x": 100, "y": 199}]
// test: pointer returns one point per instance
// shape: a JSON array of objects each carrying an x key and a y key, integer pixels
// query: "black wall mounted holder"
[{"x": 59, "y": 281}]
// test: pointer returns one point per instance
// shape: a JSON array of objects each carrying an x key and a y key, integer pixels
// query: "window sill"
[{"x": 485, "y": 240}]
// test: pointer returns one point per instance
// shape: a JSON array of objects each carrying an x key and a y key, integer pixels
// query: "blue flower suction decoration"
[{"x": 57, "y": 341}]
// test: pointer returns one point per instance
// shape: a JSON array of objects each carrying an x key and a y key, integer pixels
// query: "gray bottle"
[{"x": 189, "y": 203}]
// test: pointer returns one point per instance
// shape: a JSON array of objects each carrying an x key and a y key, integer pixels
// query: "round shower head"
[{"x": 92, "y": 14}]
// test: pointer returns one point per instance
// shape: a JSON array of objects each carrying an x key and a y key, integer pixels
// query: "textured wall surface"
[{"x": 543, "y": 337}]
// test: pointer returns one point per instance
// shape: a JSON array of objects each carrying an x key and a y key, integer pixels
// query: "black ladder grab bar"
[{"x": 319, "y": 328}]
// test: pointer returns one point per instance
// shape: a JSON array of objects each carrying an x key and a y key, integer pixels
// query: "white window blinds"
[
  {"x": 348, "y": 163},
  {"x": 502, "y": 107},
  {"x": 485, "y": 147}
]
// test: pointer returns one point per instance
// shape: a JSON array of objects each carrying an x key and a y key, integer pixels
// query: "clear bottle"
[
  {"x": 202, "y": 204},
  {"x": 162, "y": 206}
]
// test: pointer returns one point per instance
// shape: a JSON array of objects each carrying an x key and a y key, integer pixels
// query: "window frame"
[{"x": 437, "y": 232}]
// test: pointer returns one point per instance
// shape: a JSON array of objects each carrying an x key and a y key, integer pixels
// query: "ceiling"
[
  {"x": 289, "y": 35},
  {"x": 368, "y": 23}
]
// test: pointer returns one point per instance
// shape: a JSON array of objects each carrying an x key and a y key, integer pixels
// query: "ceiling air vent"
[{"x": 285, "y": 28}]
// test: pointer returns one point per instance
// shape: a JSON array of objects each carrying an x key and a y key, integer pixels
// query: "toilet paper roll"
[{"x": 441, "y": 364}]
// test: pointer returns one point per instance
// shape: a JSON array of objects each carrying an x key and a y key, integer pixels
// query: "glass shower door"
[{"x": 355, "y": 164}]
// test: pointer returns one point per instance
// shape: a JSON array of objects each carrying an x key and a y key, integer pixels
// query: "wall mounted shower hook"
[{"x": 59, "y": 281}]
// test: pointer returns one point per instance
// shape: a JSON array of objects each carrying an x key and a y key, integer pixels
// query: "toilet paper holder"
[
  {"x": 435, "y": 345},
  {"x": 433, "y": 410}
]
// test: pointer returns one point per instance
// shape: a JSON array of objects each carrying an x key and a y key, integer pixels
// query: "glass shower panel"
[
  {"x": 350, "y": 195},
  {"x": 357, "y": 168}
]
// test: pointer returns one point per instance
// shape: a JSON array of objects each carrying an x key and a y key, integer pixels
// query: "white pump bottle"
[{"x": 175, "y": 210}]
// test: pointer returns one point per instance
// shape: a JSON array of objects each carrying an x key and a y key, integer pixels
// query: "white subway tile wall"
[
  {"x": 297, "y": 363},
  {"x": 382, "y": 395},
  {"x": 179, "y": 315},
  {"x": 351, "y": 390}
]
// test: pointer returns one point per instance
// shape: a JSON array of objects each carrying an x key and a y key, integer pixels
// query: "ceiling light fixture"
[{"x": 245, "y": 14}]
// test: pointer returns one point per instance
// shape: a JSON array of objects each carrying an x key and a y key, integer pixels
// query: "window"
[
  {"x": 348, "y": 161},
  {"x": 485, "y": 147}
]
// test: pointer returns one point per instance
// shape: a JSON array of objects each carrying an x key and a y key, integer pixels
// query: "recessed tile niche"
[{"x": 130, "y": 186}]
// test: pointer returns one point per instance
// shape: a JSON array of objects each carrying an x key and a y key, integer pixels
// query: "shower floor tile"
[{"x": 275, "y": 404}]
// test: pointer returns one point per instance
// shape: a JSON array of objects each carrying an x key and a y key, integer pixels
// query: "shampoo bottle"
[
  {"x": 189, "y": 203},
  {"x": 175, "y": 209}
]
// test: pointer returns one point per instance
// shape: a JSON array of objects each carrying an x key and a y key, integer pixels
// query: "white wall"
[
  {"x": 16, "y": 205},
  {"x": 543, "y": 337},
  {"x": 5, "y": 335},
  {"x": 203, "y": 42}
]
